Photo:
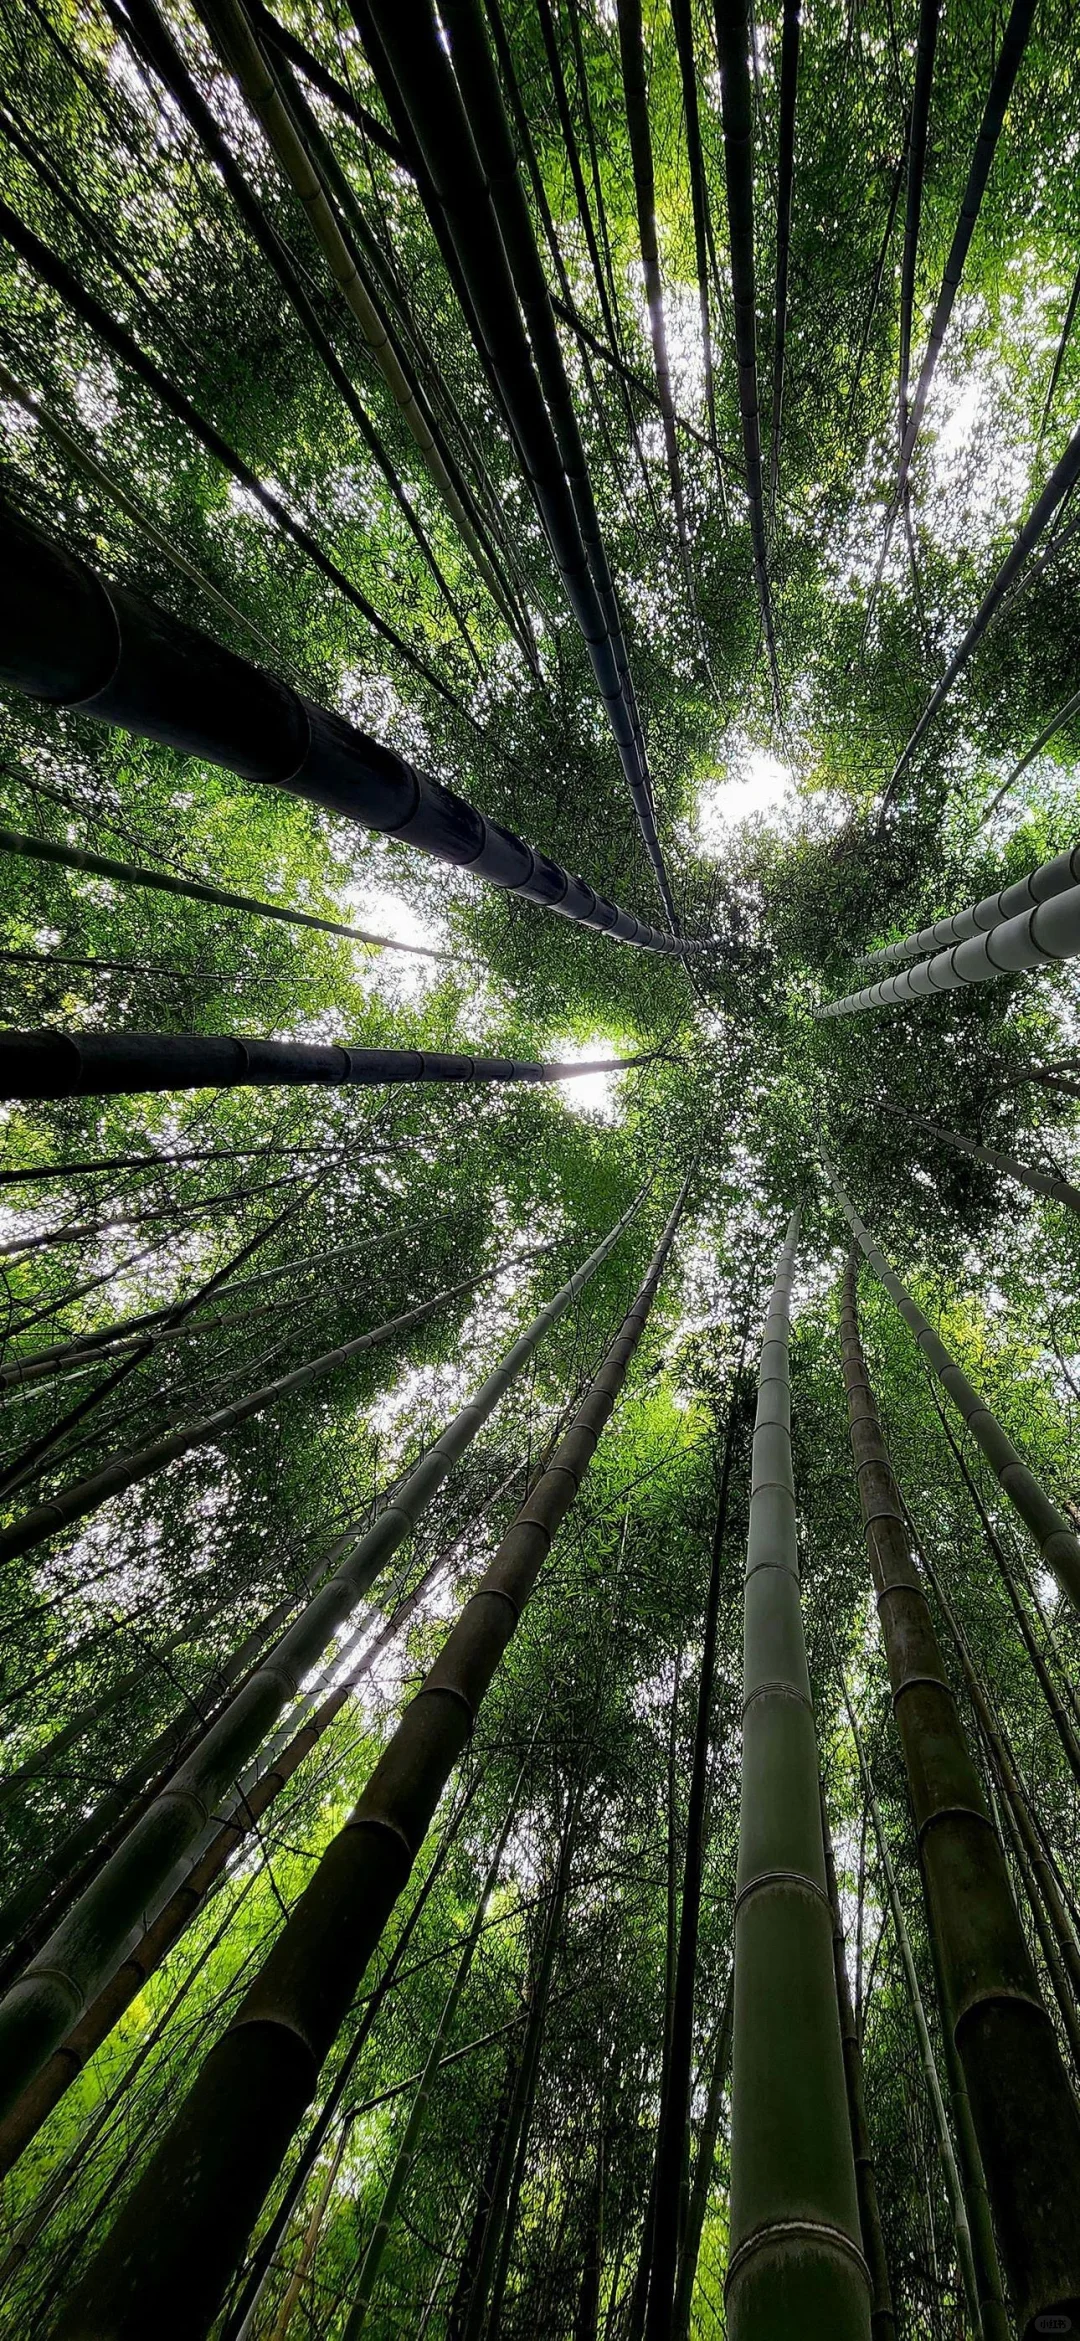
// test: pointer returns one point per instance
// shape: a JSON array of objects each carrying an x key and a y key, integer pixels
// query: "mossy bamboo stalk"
[
  {"x": 41, "y": 2008},
  {"x": 72, "y": 640},
  {"x": 882, "y": 2314},
  {"x": 258, "y": 2080},
  {"x": 1051, "y": 878},
  {"x": 1026, "y": 2118},
  {"x": 55, "y": 272},
  {"x": 796, "y": 2263},
  {"x": 1057, "y": 1190},
  {"x": 1059, "y": 1549}
]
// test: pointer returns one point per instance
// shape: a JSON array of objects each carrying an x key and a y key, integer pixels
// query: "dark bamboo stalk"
[
  {"x": 785, "y": 193},
  {"x": 673, "y": 2134},
  {"x": 95, "y": 1166},
  {"x": 277, "y": 36},
  {"x": 93, "y": 1064},
  {"x": 1040, "y": 1182},
  {"x": 55, "y": 272},
  {"x": 701, "y": 2184},
  {"x": 79, "y": 1957},
  {"x": 733, "y": 42},
  {"x": 635, "y": 91},
  {"x": 256, "y": 2083},
  {"x": 882, "y": 2315},
  {"x": 1026, "y": 2118},
  {"x": 1059, "y": 355},
  {"x": 70, "y": 639}
]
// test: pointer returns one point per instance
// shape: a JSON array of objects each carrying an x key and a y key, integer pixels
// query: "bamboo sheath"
[
  {"x": 67, "y": 637},
  {"x": 1051, "y": 878},
  {"x": 96, "y": 1064},
  {"x": 1057, "y": 1190},
  {"x": 41, "y": 2008},
  {"x": 983, "y": 2301},
  {"x": 1058, "y": 1548},
  {"x": 796, "y": 2265},
  {"x": 99, "y": 865},
  {"x": 882, "y": 2315},
  {"x": 1026, "y": 2118},
  {"x": 184, "y": 2227}
]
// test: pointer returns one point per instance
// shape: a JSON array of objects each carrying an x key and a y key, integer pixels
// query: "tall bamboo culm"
[
  {"x": 795, "y": 2265},
  {"x": 1059, "y": 1549},
  {"x": 184, "y": 2228},
  {"x": 1025, "y": 2115}
]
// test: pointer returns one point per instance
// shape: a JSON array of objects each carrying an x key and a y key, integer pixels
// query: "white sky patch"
[
  {"x": 383, "y": 913},
  {"x": 756, "y": 782},
  {"x": 593, "y": 1094}
]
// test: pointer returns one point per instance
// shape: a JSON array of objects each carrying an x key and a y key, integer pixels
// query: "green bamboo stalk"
[
  {"x": 1047, "y": 1183},
  {"x": 963, "y": 2199},
  {"x": 1026, "y": 2118},
  {"x": 41, "y": 2008},
  {"x": 701, "y": 2184},
  {"x": 184, "y": 2227},
  {"x": 409, "y": 2144},
  {"x": 882, "y": 2315},
  {"x": 796, "y": 2264},
  {"x": 1059, "y": 1549}
]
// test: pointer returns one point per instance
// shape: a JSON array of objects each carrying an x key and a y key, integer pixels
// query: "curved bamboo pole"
[
  {"x": 1026, "y": 2118},
  {"x": 70, "y": 638},
  {"x": 41, "y": 2008},
  {"x": 1058, "y": 1548},
  {"x": 186, "y": 2223},
  {"x": 796, "y": 2264}
]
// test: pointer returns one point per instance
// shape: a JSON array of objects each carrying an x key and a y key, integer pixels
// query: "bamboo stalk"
[
  {"x": 257, "y": 2081},
  {"x": 882, "y": 2315},
  {"x": 1026, "y": 2118},
  {"x": 733, "y": 42},
  {"x": 127, "y": 662},
  {"x": 41, "y": 2008},
  {"x": 93, "y": 1064},
  {"x": 963, "y": 926},
  {"x": 796, "y": 2263},
  {"x": 1058, "y": 1548},
  {"x": 1046, "y": 1183}
]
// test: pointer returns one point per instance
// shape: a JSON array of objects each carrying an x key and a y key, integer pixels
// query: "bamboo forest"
[{"x": 540, "y": 1170}]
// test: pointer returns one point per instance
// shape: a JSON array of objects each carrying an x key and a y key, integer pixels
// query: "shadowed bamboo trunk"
[
  {"x": 673, "y": 2136},
  {"x": 106, "y": 1064},
  {"x": 1046, "y": 1183},
  {"x": 976, "y": 2251},
  {"x": 796, "y": 2265},
  {"x": 184, "y": 2227},
  {"x": 1026, "y": 2119},
  {"x": 1059, "y": 1549},
  {"x": 68, "y": 636},
  {"x": 408, "y": 2148},
  {"x": 882, "y": 2318},
  {"x": 698, "y": 2200},
  {"x": 39, "y": 2011}
]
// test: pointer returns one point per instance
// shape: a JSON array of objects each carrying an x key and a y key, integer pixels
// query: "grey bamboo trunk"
[{"x": 796, "y": 2263}]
